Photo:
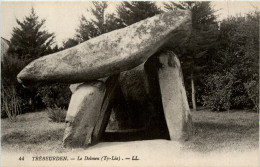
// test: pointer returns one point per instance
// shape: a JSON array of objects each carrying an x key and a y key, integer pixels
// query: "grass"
[
  {"x": 32, "y": 132},
  {"x": 234, "y": 130},
  {"x": 57, "y": 114}
]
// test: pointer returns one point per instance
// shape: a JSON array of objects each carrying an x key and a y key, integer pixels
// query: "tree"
[
  {"x": 134, "y": 11},
  {"x": 70, "y": 43},
  {"x": 102, "y": 23},
  {"x": 29, "y": 41},
  {"x": 194, "y": 54},
  {"x": 238, "y": 54}
]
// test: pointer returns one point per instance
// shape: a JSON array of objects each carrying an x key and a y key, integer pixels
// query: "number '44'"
[{"x": 21, "y": 158}]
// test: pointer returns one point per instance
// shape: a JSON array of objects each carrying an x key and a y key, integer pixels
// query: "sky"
[{"x": 62, "y": 18}]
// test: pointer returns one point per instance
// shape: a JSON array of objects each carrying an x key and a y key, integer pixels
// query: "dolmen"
[{"x": 132, "y": 66}]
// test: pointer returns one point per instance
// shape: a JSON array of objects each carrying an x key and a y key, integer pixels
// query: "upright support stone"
[
  {"x": 83, "y": 113},
  {"x": 106, "y": 108},
  {"x": 174, "y": 99},
  {"x": 89, "y": 111}
]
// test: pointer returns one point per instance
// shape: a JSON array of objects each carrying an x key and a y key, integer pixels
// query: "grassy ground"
[
  {"x": 32, "y": 132},
  {"x": 234, "y": 130}
]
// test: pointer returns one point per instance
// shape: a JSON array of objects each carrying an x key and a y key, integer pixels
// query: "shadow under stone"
[{"x": 148, "y": 134}]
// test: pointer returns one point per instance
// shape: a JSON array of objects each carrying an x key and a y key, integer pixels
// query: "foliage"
[
  {"x": 11, "y": 102},
  {"x": 134, "y": 11},
  {"x": 127, "y": 13},
  {"x": 253, "y": 93},
  {"x": 195, "y": 52},
  {"x": 55, "y": 95},
  {"x": 10, "y": 67},
  {"x": 238, "y": 53},
  {"x": 29, "y": 41},
  {"x": 102, "y": 23},
  {"x": 70, "y": 43},
  {"x": 224, "y": 57},
  {"x": 56, "y": 114},
  {"x": 218, "y": 91}
]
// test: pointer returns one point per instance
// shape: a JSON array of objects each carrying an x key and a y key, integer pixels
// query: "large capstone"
[{"x": 110, "y": 53}]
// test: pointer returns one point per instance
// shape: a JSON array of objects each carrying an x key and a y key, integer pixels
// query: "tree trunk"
[{"x": 193, "y": 93}]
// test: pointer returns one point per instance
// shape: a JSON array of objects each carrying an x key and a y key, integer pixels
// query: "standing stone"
[
  {"x": 89, "y": 111},
  {"x": 174, "y": 99},
  {"x": 83, "y": 113},
  {"x": 106, "y": 108}
]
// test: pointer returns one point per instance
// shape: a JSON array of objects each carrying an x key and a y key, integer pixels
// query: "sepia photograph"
[{"x": 130, "y": 83}]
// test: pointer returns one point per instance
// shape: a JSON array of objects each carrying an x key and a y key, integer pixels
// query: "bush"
[
  {"x": 218, "y": 91},
  {"x": 252, "y": 88},
  {"x": 28, "y": 99},
  {"x": 227, "y": 91},
  {"x": 56, "y": 95},
  {"x": 238, "y": 54},
  {"x": 57, "y": 114},
  {"x": 10, "y": 103},
  {"x": 10, "y": 67}
]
